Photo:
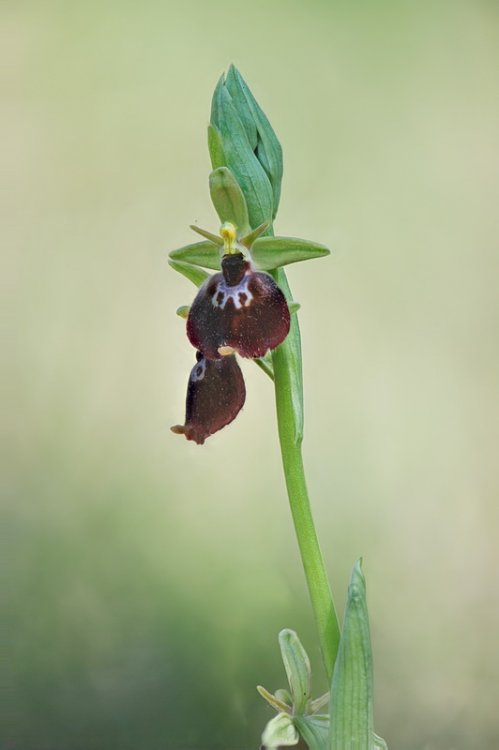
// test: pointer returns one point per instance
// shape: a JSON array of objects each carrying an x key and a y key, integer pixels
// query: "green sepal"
[
  {"x": 228, "y": 199},
  {"x": 297, "y": 666},
  {"x": 193, "y": 273},
  {"x": 351, "y": 704},
  {"x": 269, "y": 253},
  {"x": 293, "y": 307},
  {"x": 204, "y": 254},
  {"x": 280, "y": 732},
  {"x": 314, "y": 730},
  {"x": 183, "y": 311},
  {"x": 215, "y": 147},
  {"x": 240, "y": 157},
  {"x": 267, "y": 146}
]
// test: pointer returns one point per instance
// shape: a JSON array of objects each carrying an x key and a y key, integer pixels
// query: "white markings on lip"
[
  {"x": 199, "y": 371},
  {"x": 239, "y": 294}
]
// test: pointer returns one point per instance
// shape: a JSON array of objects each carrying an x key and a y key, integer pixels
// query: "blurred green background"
[{"x": 148, "y": 577}]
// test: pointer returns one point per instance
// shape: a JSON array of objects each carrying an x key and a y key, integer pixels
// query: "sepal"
[
  {"x": 267, "y": 253},
  {"x": 228, "y": 199},
  {"x": 197, "y": 275}
]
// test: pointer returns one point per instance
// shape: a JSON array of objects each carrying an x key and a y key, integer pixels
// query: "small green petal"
[
  {"x": 297, "y": 666},
  {"x": 250, "y": 238},
  {"x": 193, "y": 273},
  {"x": 273, "y": 700},
  {"x": 204, "y": 254},
  {"x": 285, "y": 696},
  {"x": 319, "y": 703},
  {"x": 215, "y": 238},
  {"x": 183, "y": 311},
  {"x": 269, "y": 253},
  {"x": 280, "y": 732},
  {"x": 228, "y": 199}
]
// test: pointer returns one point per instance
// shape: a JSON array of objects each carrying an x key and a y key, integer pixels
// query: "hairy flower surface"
[
  {"x": 215, "y": 396},
  {"x": 239, "y": 309}
]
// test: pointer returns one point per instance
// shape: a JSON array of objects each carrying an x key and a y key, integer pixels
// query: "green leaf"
[
  {"x": 215, "y": 147},
  {"x": 269, "y": 253},
  {"x": 297, "y": 666},
  {"x": 280, "y": 732},
  {"x": 204, "y": 254},
  {"x": 268, "y": 148},
  {"x": 194, "y": 274},
  {"x": 314, "y": 730},
  {"x": 240, "y": 158},
  {"x": 228, "y": 199},
  {"x": 352, "y": 726}
]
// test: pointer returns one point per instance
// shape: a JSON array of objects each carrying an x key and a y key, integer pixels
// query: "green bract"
[{"x": 351, "y": 703}]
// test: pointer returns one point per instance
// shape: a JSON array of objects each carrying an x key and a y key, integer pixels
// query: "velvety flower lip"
[
  {"x": 238, "y": 308},
  {"x": 215, "y": 396}
]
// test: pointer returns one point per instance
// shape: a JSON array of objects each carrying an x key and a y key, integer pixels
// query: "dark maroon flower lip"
[
  {"x": 215, "y": 395},
  {"x": 239, "y": 309}
]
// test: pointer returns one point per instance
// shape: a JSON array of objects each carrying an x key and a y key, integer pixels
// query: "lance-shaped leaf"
[
  {"x": 228, "y": 199},
  {"x": 297, "y": 666},
  {"x": 269, "y": 253},
  {"x": 204, "y": 254},
  {"x": 194, "y": 274},
  {"x": 267, "y": 147},
  {"x": 351, "y": 707},
  {"x": 240, "y": 158}
]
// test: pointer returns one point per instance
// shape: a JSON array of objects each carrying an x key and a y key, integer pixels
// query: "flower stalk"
[{"x": 246, "y": 309}]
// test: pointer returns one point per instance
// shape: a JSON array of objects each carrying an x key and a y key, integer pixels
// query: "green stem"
[{"x": 289, "y": 403}]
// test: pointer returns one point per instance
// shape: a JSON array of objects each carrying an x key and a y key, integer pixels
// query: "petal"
[
  {"x": 240, "y": 308},
  {"x": 215, "y": 396}
]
